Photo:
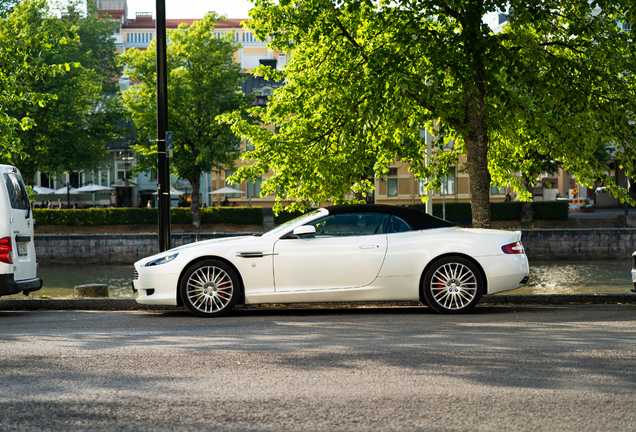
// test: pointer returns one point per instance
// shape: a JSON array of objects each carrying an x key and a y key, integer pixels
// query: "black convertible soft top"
[{"x": 418, "y": 220}]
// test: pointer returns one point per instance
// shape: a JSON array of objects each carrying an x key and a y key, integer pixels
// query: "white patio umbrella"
[
  {"x": 92, "y": 188},
  {"x": 43, "y": 190},
  {"x": 173, "y": 191},
  {"x": 63, "y": 191},
  {"x": 225, "y": 190}
]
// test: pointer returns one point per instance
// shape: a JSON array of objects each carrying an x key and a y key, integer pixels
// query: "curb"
[{"x": 131, "y": 304}]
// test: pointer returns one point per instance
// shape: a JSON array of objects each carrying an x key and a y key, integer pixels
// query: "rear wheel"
[
  {"x": 453, "y": 285},
  {"x": 210, "y": 288}
]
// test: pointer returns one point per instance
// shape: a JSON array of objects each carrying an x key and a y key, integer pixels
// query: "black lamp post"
[{"x": 163, "y": 172}]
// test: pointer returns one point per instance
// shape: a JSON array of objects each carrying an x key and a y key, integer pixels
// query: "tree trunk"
[
  {"x": 196, "y": 219},
  {"x": 476, "y": 140}
]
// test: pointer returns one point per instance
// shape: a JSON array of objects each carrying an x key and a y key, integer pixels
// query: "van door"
[{"x": 21, "y": 227}]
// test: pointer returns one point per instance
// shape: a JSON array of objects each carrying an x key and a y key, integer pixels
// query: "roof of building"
[{"x": 147, "y": 22}]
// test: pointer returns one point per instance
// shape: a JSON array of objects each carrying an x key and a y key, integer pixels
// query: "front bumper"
[
  {"x": 153, "y": 288},
  {"x": 8, "y": 285}
]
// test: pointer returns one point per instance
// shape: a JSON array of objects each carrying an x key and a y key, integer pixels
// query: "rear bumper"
[{"x": 8, "y": 285}]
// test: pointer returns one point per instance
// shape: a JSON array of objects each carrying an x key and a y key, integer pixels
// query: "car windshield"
[{"x": 281, "y": 228}]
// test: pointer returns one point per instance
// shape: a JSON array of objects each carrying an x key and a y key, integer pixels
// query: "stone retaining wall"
[
  {"x": 579, "y": 244},
  {"x": 108, "y": 248},
  {"x": 575, "y": 244}
]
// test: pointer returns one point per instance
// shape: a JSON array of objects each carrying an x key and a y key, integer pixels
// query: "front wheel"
[
  {"x": 452, "y": 285},
  {"x": 210, "y": 288}
]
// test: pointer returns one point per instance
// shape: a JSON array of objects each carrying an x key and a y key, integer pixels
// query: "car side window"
[
  {"x": 350, "y": 224},
  {"x": 397, "y": 225}
]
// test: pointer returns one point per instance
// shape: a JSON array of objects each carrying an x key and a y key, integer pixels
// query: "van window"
[{"x": 16, "y": 191}]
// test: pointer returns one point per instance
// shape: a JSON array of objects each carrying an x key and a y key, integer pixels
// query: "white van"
[{"x": 18, "y": 268}]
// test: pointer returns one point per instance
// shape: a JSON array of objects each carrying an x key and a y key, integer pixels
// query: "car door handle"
[{"x": 367, "y": 247}]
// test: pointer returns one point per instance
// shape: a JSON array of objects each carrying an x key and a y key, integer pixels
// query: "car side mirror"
[{"x": 304, "y": 230}]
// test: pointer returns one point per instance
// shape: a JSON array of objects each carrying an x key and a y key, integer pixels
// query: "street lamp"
[{"x": 163, "y": 172}]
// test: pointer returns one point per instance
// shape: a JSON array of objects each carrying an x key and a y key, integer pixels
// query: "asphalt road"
[{"x": 503, "y": 368}]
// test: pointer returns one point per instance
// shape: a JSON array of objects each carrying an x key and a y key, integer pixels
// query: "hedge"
[
  {"x": 550, "y": 210},
  {"x": 499, "y": 211},
  {"x": 145, "y": 216},
  {"x": 502, "y": 211},
  {"x": 283, "y": 217}
]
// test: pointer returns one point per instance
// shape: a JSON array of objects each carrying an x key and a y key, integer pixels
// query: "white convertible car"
[{"x": 339, "y": 254}]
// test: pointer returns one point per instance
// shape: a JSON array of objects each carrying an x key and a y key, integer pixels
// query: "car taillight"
[
  {"x": 513, "y": 248},
  {"x": 6, "y": 253}
]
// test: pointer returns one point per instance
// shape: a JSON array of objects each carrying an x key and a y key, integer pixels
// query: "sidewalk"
[
  {"x": 31, "y": 304},
  {"x": 602, "y": 213}
]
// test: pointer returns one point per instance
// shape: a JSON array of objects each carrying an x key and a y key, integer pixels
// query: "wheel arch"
[
  {"x": 452, "y": 254},
  {"x": 241, "y": 299}
]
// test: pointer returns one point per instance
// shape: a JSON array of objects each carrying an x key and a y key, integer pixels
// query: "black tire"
[
  {"x": 210, "y": 288},
  {"x": 453, "y": 285}
]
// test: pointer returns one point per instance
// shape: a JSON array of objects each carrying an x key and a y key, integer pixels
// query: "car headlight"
[{"x": 162, "y": 260}]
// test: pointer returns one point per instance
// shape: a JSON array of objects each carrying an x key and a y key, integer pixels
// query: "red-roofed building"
[{"x": 138, "y": 32}]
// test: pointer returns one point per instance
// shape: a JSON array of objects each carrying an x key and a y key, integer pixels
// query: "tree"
[
  {"x": 74, "y": 127},
  {"x": 6, "y": 7},
  {"x": 203, "y": 82},
  {"x": 23, "y": 42},
  {"x": 366, "y": 76}
]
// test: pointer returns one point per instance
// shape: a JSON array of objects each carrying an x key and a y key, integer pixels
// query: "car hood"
[
  {"x": 210, "y": 242},
  {"x": 196, "y": 244}
]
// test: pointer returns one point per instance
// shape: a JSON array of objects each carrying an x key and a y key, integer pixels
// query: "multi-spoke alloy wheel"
[
  {"x": 452, "y": 285},
  {"x": 209, "y": 288}
]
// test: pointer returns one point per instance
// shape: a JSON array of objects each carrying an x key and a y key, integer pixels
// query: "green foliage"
[
  {"x": 26, "y": 37},
  {"x": 6, "y": 7},
  {"x": 73, "y": 128},
  {"x": 555, "y": 85},
  {"x": 550, "y": 210},
  {"x": 147, "y": 216},
  {"x": 203, "y": 82}
]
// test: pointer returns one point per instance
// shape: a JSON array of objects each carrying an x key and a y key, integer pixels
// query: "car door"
[{"x": 347, "y": 251}]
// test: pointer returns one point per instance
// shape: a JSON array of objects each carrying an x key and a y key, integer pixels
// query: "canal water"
[{"x": 581, "y": 277}]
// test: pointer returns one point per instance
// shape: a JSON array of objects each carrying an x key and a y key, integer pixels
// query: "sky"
[{"x": 192, "y": 8}]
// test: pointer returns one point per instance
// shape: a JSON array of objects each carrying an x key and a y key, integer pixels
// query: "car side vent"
[{"x": 135, "y": 275}]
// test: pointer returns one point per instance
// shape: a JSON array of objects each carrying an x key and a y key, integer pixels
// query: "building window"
[
  {"x": 45, "y": 181},
  {"x": 254, "y": 188},
  {"x": 228, "y": 173},
  {"x": 448, "y": 183},
  {"x": 138, "y": 38},
  {"x": 495, "y": 191},
  {"x": 422, "y": 186},
  {"x": 392, "y": 183},
  {"x": 266, "y": 91},
  {"x": 282, "y": 61},
  {"x": 248, "y": 37},
  {"x": 74, "y": 179},
  {"x": 249, "y": 146},
  {"x": 104, "y": 178},
  {"x": 124, "y": 164}
]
